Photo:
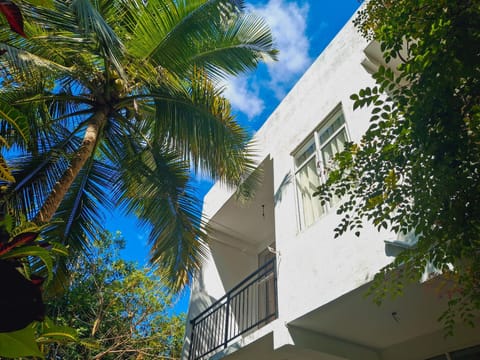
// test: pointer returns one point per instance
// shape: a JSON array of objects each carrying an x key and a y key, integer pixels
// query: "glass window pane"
[
  {"x": 308, "y": 150},
  {"x": 328, "y": 141},
  {"x": 336, "y": 145},
  {"x": 307, "y": 181},
  {"x": 325, "y": 134}
]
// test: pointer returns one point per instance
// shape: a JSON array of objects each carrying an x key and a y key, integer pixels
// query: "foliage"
[
  {"x": 417, "y": 168},
  {"x": 123, "y": 100},
  {"x": 26, "y": 261},
  {"x": 34, "y": 338},
  {"x": 125, "y": 312},
  {"x": 19, "y": 343},
  {"x": 26, "y": 264},
  {"x": 12, "y": 119}
]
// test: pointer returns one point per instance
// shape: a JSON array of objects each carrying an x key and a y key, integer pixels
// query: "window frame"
[{"x": 314, "y": 138}]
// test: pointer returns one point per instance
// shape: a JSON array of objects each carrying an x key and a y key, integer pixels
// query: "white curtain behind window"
[{"x": 307, "y": 183}]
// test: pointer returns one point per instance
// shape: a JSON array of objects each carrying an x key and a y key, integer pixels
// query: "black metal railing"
[{"x": 249, "y": 305}]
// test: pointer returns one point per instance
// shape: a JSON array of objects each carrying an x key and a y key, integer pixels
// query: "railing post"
[{"x": 227, "y": 315}]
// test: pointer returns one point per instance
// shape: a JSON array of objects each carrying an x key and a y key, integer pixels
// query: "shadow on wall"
[
  {"x": 287, "y": 180},
  {"x": 199, "y": 301}
]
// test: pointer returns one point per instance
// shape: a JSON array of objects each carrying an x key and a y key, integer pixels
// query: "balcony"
[{"x": 246, "y": 307}]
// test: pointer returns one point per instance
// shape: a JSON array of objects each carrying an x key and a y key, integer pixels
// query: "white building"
[{"x": 308, "y": 301}]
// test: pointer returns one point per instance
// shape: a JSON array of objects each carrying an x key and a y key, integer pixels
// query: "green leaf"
[
  {"x": 7, "y": 222},
  {"x": 5, "y": 173},
  {"x": 15, "y": 118},
  {"x": 44, "y": 3},
  {"x": 36, "y": 251},
  {"x": 25, "y": 226},
  {"x": 19, "y": 343},
  {"x": 55, "y": 333},
  {"x": 59, "y": 249}
]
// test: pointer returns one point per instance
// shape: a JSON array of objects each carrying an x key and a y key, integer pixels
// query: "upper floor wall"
[
  {"x": 315, "y": 268},
  {"x": 320, "y": 280},
  {"x": 294, "y": 147}
]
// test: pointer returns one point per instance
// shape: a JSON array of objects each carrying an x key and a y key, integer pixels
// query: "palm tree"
[{"x": 123, "y": 102}]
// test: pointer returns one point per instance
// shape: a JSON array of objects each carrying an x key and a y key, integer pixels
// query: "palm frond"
[
  {"x": 14, "y": 120},
  {"x": 57, "y": 18},
  {"x": 49, "y": 118},
  {"x": 95, "y": 25},
  {"x": 31, "y": 191},
  {"x": 244, "y": 44},
  {"x": 5, "y": 171},
  {"x": 158, "y": 23},
  {"x": 154, "y": 186},
  {"x": 83, "y": 209},
  {"x": 26, "y": 65},
  {"x": 199, "y": 125},
  {"x": 37, "y": 174},
  {"x": 213, "y": 34}
]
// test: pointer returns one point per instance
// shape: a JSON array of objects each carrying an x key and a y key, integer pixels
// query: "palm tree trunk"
[{"x": 54, "y": 199}]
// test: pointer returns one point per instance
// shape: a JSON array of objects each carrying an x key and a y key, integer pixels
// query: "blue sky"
[{"x": 301, "y": 29}]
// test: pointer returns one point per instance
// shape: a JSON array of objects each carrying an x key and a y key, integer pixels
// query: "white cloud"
[
  {"x": 244, "y": 97},
  {"x": 288, "y": 21}
]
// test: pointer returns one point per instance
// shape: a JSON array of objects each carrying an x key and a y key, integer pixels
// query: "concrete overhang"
[
  {"x": 355, "y": 318},
  {"x": 374, "y": 58},
  {"x": 244, "y": 223}
]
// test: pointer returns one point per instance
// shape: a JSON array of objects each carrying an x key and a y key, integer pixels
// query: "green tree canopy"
[
  {"x": 120, "y": 311},
  {"x": 123, "y": 102},
  {"x": 417, "y": 168}
]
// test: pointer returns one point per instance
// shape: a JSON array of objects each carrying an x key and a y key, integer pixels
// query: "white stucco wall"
[{"x": 313, "y": 267}]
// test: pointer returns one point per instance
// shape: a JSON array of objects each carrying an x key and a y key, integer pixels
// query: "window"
[{"x": 312, "y": 162}]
